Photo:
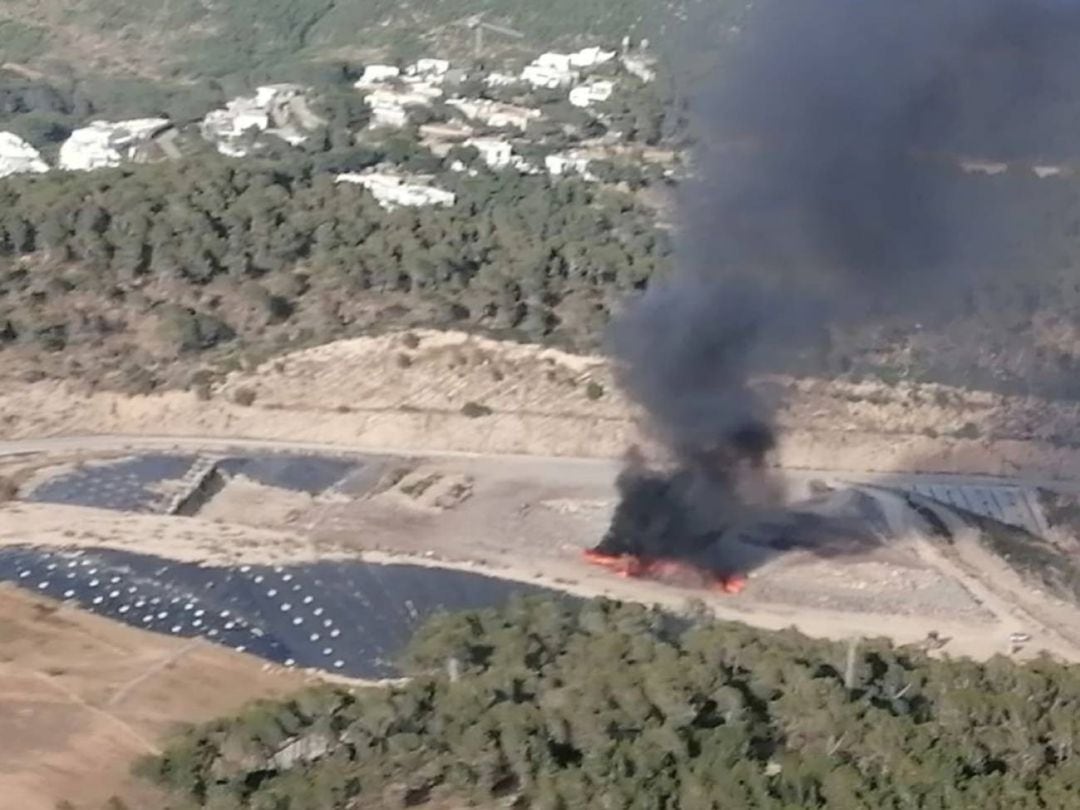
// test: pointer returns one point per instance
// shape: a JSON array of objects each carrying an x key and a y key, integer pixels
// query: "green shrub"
[
  {"x": 969, "y": 431},
  {"x": 244, "y": 396},
  {"x": 8, "y": 489},
  {"x": 474, "y": 410}
]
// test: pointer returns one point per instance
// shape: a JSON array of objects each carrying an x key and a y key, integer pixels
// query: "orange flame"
[{"x": 630, "y": 566}]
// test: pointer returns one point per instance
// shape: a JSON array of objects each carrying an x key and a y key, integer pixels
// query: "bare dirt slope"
[
  {"x": 91, "y": 41},
  {"x": 81, "y": 697},
  {"x": 447, "y": 390}
]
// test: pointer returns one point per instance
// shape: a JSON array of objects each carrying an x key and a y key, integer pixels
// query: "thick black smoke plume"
[{"x": 827, "y": 190}]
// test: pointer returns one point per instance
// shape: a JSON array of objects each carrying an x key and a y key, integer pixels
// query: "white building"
[
  {"x": 103, "y": 144},
  {"x": 988, "y": 167},
  {"x": 226, "y": 128},
  {"x": 389, "y": 105},
  {"x": 277, "y": 109},
  {"x": 377, "y": 74},
  {"x": 640, "y": 65},
  {"x": 393, "y": 190},
  {"x": 441, "y": 136},
  {"x": 495, "y": 152},
  {"x": 19, "y": 157},
  {"x": 500, "y": 80},
  {"x": 445, "y": 131},
  {"x": 563, "y": 163},
  {"x": 590, "y": 57},
  {"x": 411, "y": 92},
  {"x": 561, "y": 62},
  {"x": 1044, "y": 171},
  {"x": 550, "y": 70},
  {"x": 593, "y": 91},
  {"x": 386, "y": 113},
  {"x": 494, "y": 113},
  {"x": 553, "y": 70},
  {"x": 430, "y": 69}
]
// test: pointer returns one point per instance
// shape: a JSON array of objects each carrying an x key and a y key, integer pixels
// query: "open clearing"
[{"x": 81, "y": 697}]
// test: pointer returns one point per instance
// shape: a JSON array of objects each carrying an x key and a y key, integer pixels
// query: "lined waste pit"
[
  {"x": 348, "y": 617},
  {"x": 164, "y": 483},
  {"x": 127, "y": 485}
]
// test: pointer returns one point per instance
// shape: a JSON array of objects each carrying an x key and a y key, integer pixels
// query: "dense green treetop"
[
  {"x": 514, "y": 252},
  {"x": 548, "y": 704}
]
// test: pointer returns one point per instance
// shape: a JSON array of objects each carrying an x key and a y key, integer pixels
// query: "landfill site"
[
  {"x": 279, "y": 553},
  {"x": 151, "y": 545}
]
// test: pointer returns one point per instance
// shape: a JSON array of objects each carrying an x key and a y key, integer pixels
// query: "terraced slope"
[{"x": 163, "y": 38}]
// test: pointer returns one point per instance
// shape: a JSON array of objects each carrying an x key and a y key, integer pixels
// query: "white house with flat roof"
[
  {"x": 19, "y": 157},
  {"x": 591, "y": 92},
  {"x": 377, "y": 74},
  {"x": 102, "y": 144},
  {"x": 277, "y": 109},
  {"x": 393, "y": 190},
  {"x": 495, "y": 152},
  {"x": 494, "y": 113}
]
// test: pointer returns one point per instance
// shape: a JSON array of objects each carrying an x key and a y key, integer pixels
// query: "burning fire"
[{"x": 666, "y": 570}]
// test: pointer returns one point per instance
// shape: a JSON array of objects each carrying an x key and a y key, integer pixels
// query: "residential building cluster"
[
  {"x": 276, "y": 109},
  {"x": 393, "y": 94}
]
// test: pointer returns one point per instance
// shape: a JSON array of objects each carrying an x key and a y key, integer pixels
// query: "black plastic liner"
[{"x": 352, "y": 618}]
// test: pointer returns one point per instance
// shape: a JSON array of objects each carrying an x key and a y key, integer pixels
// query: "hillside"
[
  {"x": 63, "y": 65},
  {"x": 149, "y": 277},
  {"x": 140, "y": 277},
  {"x": 548, "y": 705},
  {"x": 192, "y": 39}
]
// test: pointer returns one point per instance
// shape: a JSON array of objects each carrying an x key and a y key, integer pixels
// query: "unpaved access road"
[{"x": 591, "y": 468}]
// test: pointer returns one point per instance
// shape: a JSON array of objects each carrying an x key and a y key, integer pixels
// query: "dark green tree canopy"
[{"x": 551, "y": 704}]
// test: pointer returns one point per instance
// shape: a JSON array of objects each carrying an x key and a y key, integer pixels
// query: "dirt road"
[{"x": 591, "y": 468}]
